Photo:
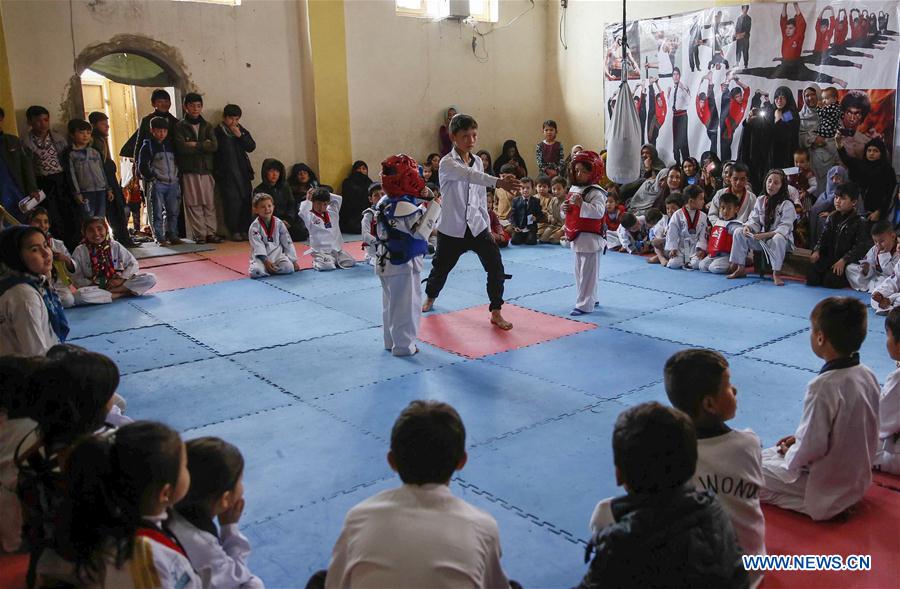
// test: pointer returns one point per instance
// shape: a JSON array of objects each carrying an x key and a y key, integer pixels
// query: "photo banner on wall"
[{"x": 719, "y": 79}]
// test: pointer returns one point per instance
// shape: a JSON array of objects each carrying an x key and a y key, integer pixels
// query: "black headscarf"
[
  {"x": 295, "y": 185},
  {"x": 504, "y": 159}
]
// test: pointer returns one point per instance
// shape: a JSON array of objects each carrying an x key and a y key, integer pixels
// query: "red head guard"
[
  {"x": 400, "y": 176},
  {"x": 591, "y": 158}
]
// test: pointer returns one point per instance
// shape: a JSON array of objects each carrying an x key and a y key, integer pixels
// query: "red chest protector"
[
  {"x": 613, "y": 224},
  {"x": 576, "y": 224},
  {"x": 720, "y": 240}
]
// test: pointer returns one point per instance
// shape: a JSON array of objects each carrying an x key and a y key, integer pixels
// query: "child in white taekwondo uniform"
[
  {"x": 887, "y": 456},
  {"x": 271, "y": 248},
  {"x": 321, "y": 213},
  {"x": 367, "y": 227},
  {"x": 880, "y": 260},
  {"x": 721, "y": 236},
  {"x": 104, "y": 268},
  {"x": 402, "y": 231},
  {"x": 686, "y": 234},
  {"x": 826, "y": 466},
  {"x": 584, "y": 209}
]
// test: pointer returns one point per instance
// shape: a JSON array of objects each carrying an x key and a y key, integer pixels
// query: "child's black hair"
[
  {"x": 892, "y": 323},
  {"x": 216, "y": 467},
  {"x": 549, "y": 123},
  {"x": 35, "y": 111},
  {"x": 693, "y": 191},
  {"x": 159, "y": 123},
  {"x": 729, "y": 198},
  {"x": 232, "y": 110},
  {"x": 653, "y": 216},
  {"x": 69, "y": 393},
  {"x": 526, "y": 180},
  {"x": 97, "y": 116},
  {"x": 613, "y": 194},
  {"x": 690, "y": 375},
  {"x": 192, "y": 97},
  {"x": 461, "y": 122},
  {"x": 559, "y": 180},
  {"x": 542, "y": 179},
  {"x": 35, "y": 212},
  {"x": 843, "y": 322},
  {"x": 109, "y": 479},
  {"x": 508, "y": 169},
  {"x": 15, "y": 380},
  {"x": 848, "y": 189},
  {"x": 428, "y": 441},
  {"x": 675, "y": 199},
  {"x": 88, "y": 221},
  {"x": 740, "y": 167},
  {"x": 629, "y": 220},
  {"x": 373, "y": 187},
  {"x": 654, "y": 448},
  {"x": 321, "y": 194},
  {"x": 12, "y": 240},
  {"x": 160, "y": 94},
  {"x": 881, "y": 227},
  {"x": 78, "y": 125},
  {"x": 802, "y": 151}
]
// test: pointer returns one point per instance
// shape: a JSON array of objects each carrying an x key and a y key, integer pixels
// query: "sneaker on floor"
[
  {"x": 174, "y": 241},
  {"x": 199, "y": 240},
  {"x": 162, "y": 242},
  {"x": 577, "y": 313},
  {"x": 214, "y": 239}
]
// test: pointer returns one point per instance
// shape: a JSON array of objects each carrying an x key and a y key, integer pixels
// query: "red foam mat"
[
  {"x": 871, "y": 529},
  {"x": 169, "y": 260},
  {"x": 12, "y": 570},
  {"x": 890, "y": 481},
  {"x": 469, "y": 332},
  {"x": 191, "y": 274}
]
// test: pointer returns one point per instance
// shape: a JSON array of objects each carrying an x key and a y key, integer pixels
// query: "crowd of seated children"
[
  {"x": 825, "y": 467},
  {"x": 271, "y": 247},
  {"x": 104, "y": 269},
  {"x": 320, "y": 212},
  {"x": 729, "y": 462}
]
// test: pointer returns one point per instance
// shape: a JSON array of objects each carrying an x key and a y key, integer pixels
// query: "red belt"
[{"x": 680, "y": 113}]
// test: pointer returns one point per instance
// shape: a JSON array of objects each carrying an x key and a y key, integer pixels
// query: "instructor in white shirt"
[{"x": 464, "y": 224}]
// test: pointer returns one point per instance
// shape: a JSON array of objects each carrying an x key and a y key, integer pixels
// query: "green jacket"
[
  {"x": 198, "y": 159},
  {"x": 18, "y": 162}
]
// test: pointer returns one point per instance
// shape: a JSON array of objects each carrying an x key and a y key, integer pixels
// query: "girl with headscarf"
[
  {"x": 355, "y": 190},
  {"x": 32, "y": 319},
  {"x": 444, "y": 143},
  {"x": 510, "y": 155},
  {"x": 824, "y": 205},
  {"x": 786, "y": 128},
  {"x": 874, "y": 175}
]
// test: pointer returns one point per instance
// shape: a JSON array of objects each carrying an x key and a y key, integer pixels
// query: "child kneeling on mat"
[
  {"x": 721, "y": 236},
  {"x": 321, "y": 213},
  {"x": 419, "y": 534},
  {"x": 641, "y": 538},
  {"x": 687, "y": 232},
  {"x": 104, "y": 268},
  {"x": 584, "y": 209},
  {"x": 219, "y": 555},
  {"x": 271, "y": 248},
  {"x": 887, "y": 455},
  {"x": 826, "y": 467},
  {"x": 402, "y": 231}
]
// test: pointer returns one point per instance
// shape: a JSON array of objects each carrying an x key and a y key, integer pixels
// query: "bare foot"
[
  {"x": 739, "y": 272},
  {"x": 653, "y": 260},
  {"x": 776, "y": 276},
  {"x": 498, "y": 320},
  {"x": 428, "y": 305}
]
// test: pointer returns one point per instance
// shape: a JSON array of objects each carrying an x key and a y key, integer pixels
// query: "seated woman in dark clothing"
[{"x": 355, "y": 190}]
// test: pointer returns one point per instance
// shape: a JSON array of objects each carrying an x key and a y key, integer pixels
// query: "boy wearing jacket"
[
  {"x": 275, "y": 185},
  {"x": 195, "y": 147},
  {"x": 157, "y": 163}
]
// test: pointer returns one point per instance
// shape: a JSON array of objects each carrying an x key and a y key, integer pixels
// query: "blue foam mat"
[
  {"x": 793, "y": 298},
  {"x": 209, "y": 299},
  {"x": 525, "y": 469},
  {"x": 146, "y": 348},
  {"x": 690, "y": 283},
  {"x": 197, "y": 394},
  {"x": 530, "y": 280},
  {"x": 275, "y": 325},
  {"x": 491, "y": 400},
  {"x": 311, "y": 284},
  {"x": 715, "y": 325},
  {"x": 295, "y": 455},
  {"x": 334, "y": 363},
  {"x": 96, "y": 319},
  {"x": 617, "y": 302},
  {"x": 591, "y": 361}
]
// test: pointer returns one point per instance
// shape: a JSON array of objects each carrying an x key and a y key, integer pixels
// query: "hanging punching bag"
[{"x": 623, "y": 141}]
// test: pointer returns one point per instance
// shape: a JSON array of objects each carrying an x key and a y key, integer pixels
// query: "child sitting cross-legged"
[
  {"x": 321, "y": 213},
  {"x": 104, "y": 268},
  {"x": 271, "y": 248},
  {"x": 643, "y": 538},
  {"x": 634, "y": 232},
  {"x": 419, "y": 534},
  {"x": 887, "y": 456},
  {"x": 218, "y": 554},
  {"x": 729, "y": 462},
  {"x": 826, "y": 466},
  {"x": 879, "y": 263},
  {"x": 555, "y": 232},
  {"x": 844, "y": 240},
  {"x": 686, "y": 234},
  {"x": 658, "y": 234},
  {"x": 721, "y": 236}
]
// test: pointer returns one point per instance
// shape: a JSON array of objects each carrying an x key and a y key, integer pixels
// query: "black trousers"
[
  {"x": 694, "y": 56},
  {"x": 820, "y": 274},
  {"x": 236, "y": 202},
  {"x": 65, "y": 214},
  {"x": 447, "y": 254},
  {"x": 680, "y": 138},
  {"x": 743, "y": 49},
  {"x": 116, "y": 213}
]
